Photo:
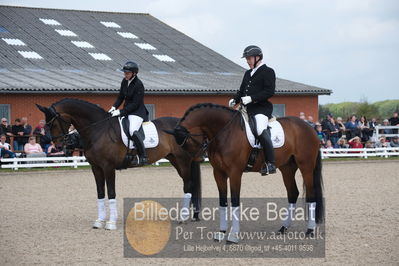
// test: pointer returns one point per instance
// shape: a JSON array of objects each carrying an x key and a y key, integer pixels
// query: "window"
[
  {"x": 151, "y": 111},
  {"x": 2, "y": 29},
  {"x": 164, "y": 58},
  {"x": 5, "y": 111},
  {"x": 279, "y": 110}
]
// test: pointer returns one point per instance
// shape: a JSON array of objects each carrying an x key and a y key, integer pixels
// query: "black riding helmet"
[
  {"x": 130, "y": 66},
  {"x": 254, "y": 51}
]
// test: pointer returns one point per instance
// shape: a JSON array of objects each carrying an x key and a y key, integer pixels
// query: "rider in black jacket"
[
  {"x": 257, "y": 87},
  {"x": 132, "y": 92}
]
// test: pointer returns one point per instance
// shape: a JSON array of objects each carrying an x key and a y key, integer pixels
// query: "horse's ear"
[{"x": 42, "y": 108}]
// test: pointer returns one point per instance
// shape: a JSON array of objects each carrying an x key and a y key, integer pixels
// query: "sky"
[{"x": 348, "y": 46}]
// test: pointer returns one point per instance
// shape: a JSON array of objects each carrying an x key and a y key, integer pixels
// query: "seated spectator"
[
  {"x": 352, "y": 127},
  {"x": 44, "y": 133},
  {"x": 73, "y": 141},
  {"x": 341, "y": 144},
  {"x": 394, "y": 142},
  {"x": 394, "y": 121},
  {"x": 369, "y": 145},
  {"x": 18, "y": 131},
  {"x": 386, "y": 131},
  {"x": 5, "y": 149},
  {"x": 5, "y": 129},
  {"x": 32, "y": 149},
  {"x": 320, "y": 134},
  {"x": 355, "y": 143},
  {"x": 324, "y": 123},
  {"x": 53, "y": 151},
  {"x": 329, "y": 144},
  {"x": 341, "y": 127},
  {"x": 382, "y": 143},
  {"x": 364, "y": 129},
  {"x": 27, "y": 129}
]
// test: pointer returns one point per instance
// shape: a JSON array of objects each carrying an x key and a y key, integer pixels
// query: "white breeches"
[
  {"x": 135, "y": 123},
  {"x": 261, "y": 123}
]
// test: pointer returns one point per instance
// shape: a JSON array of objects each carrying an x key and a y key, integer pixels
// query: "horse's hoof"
[
  {"x": 309, "y": 233},
  {"x": 110, "y": 225},
  {"x": 232, "y": 238},
  {"x": 282, "y": 230},
  {"x": 219, "y": 236},
  {"x": 99, "y": 224}
]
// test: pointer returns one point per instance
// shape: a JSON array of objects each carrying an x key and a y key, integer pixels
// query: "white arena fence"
[
  {"x": 359, "y": 152},
  {"x": 76, "y": 161}
]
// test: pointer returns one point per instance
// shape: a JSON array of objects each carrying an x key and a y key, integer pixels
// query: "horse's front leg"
[
  {"x": 221, "y": 181},
  {"x": 100, "y": 183},
  {"x": 109, "y": 174},
  {"x": 235, "y": 188}
]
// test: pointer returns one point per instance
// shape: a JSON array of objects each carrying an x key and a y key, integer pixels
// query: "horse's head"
[
  {"x": 192, "y": 142},
  {"x": 57, "y": 124}
]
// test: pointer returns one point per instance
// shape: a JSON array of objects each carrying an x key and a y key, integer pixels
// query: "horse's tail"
[
  {"x": 318, "y": 189},
  {"x": 196, "y": 185}
]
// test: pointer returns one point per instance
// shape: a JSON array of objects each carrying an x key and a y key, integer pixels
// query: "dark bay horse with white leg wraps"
[
  {"x": 105, "y": 150},
  {"x": 220, "y": 130}
]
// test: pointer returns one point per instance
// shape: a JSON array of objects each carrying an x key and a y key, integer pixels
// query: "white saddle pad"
[
  {"x": 151, "y": 135},
  {"x": 276, "y": 131}
]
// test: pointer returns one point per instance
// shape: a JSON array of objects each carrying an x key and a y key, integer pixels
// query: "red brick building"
[{"x": 50, "y": 54}]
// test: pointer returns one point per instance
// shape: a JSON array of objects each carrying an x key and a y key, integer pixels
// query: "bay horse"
[
  {"x": 220, "y": 131},
  {"x": 105, "y": 151}
]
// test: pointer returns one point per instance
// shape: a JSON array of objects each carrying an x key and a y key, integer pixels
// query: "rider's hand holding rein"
[
  {"x": 112, "y": 109},
  {"x": 116, "y": 113}
]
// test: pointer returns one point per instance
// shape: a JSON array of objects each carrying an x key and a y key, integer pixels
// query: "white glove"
[
  {"x": 116, "y": 113},
  {"x": 246, "y": 100},
  {"x": 232, "y": 103},
  {"x": 112, "y": 109}
]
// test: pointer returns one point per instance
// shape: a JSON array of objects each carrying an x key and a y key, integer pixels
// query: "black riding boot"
[
  {"x": 268, "y": 151},
  {"x": 141, "y": 152}
]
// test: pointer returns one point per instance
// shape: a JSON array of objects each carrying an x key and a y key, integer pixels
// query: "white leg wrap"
[
  {"x": 235, "y": 214},
  {"x": 113, "y": 211},
  {"x": 223, "y": 218},
  {"x": 291, "y": 212},
  {"x": 311, "y": 215},
  {"x": 185, "y": 211},
  {"x": 101, "y": 209}
]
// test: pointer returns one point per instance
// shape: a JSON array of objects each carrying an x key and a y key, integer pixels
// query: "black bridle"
[
  {"x": 65, "y": 133},
  {"x": 204, "y": 145}
]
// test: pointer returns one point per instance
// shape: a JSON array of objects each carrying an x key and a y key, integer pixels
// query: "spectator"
[
  {"x": 394, "y": 121},
  {"x": 329, "y": 144},
  {"x": 320, "y": 134},
  {"x": 363, "y": 125},
  {"x": 44, "y": 133},
  {"x": 73, "y": 141},
  {"x": 369, "y": 145},
  {"x": 352, "y": 128},
  {"x": 302, "y": 116},
  {"x": 355, "y": 143},
  {"x": 18, "y": 131},
  {"x": 310, "y": 121},
  {"x": 382, "y": 143},
  {"x": 5, "y": 129},
  {"x": 341, "y": 144},
  {"x": 53, "y": 151},
  {"x": 394, "y": 142},
  {"x": 387, "y": 131},
  {"x": 27, "y": 129},
  {"x": 373, "y": 123},
  {"x": 324, "y": 123},
  {"x": 332, "y": 130},
  {"x": 32, "y": 149},
  {"x": 5, "y": 149},
  {"x": 341, "y": 127}
]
